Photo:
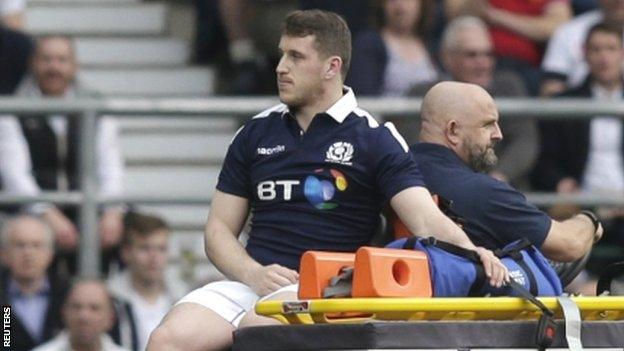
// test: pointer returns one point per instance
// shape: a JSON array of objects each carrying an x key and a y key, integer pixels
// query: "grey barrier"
[{"x": 88, "y": 110}]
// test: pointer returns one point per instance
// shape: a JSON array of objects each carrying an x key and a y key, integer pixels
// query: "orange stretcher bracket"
[
  {"x": 317, "y": 268},
  {"x": 378, "y": 272},
  {"x": 383, "y": 272}
]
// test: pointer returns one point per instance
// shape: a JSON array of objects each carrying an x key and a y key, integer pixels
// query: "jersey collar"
[
  {"x": 344, "y": 106},
  {"x": 340, "y": 109}
]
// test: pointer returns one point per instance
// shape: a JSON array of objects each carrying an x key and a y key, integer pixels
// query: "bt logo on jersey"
[
  {"x": 318, "y": 189},
  {"x": 267, "y": 190},
  {"x": 319, "y": 192}
]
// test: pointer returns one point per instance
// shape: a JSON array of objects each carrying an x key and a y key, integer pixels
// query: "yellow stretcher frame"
[{"x": 359, "y": 310}]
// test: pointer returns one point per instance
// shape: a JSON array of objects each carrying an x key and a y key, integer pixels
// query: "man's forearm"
[
  {"x": 228, "y": 255},
  {"x": 582, "y": 229},
  {"x": 569, "y": 240}
]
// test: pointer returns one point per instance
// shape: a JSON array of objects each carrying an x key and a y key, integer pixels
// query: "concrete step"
[
  {"x": 166, "y": 180},
  {"x": 96, "y": 18},
  {"x": 126, "y": 52},
  {"x": 191, "y": 82},
  {"x": 176, "y": 124},
  {"x": 191, "y": 148}
]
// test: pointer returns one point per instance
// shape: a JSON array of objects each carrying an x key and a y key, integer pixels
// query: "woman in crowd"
[{"x": 388, "y": 61}]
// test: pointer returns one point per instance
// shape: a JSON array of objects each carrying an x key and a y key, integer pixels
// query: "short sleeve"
[
  {"x": 509, "y": 216},
  {"x": 396, "y": 168},
  {"x": 557, "y": 58},
  {"x": 234, "y": 177}
]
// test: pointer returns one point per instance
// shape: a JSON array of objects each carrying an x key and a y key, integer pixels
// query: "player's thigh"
[
  {"x": 189, "y": 326},
  {"x": 205, "y": 318}
]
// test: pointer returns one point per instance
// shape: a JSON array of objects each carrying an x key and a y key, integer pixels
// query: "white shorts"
[{"x": 230, "y": 299}]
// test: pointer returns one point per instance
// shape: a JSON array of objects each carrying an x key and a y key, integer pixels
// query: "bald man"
[
  {"x": 458, "y": 133},
  {"x": 88, "y": 314}
]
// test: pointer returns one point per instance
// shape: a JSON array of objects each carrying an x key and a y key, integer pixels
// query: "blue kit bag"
[{"x": 458, "y": 272}]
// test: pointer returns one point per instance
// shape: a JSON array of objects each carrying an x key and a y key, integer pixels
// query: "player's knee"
[
  {"x": 189, "y": 327},
  {"x": 251, "y": 319}
]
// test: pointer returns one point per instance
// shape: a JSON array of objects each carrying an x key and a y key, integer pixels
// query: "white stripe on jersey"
[
  {"x": 263, "y": 114},
  {"x": 267, "y": 112},
  {"x": 396, "y": 135},
  {"x": 372, "y": 122},
  {"x": 236, "y": 134}
]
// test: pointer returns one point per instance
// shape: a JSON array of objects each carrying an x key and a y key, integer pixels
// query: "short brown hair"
[
  {"x": 333, "y": 36},
  {"x": 143, "y": 225},
  {"x": 604, "y": 28}
]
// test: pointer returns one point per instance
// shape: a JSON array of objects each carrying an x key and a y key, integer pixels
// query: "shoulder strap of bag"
[
  {"x": 452, "y": 248},
  {"x": 546, "y": 326},
  {"x": 472, "y": 256},
  {"x": 519, "y": 245},
  {"x": 513, "y": 251}
]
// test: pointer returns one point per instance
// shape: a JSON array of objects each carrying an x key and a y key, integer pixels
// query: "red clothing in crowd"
[{"x": 512, "y": 44}]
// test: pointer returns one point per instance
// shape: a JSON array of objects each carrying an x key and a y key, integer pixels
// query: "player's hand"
[
  {"x": 111, "y": 228},
  {"x": 495, "y": 270},
  {"x": 64, "y": 230},
  {"x": 267, "y": 279}
]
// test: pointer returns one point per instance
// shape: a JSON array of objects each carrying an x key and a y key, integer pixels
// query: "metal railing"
[{"x": 88, "y": 111}]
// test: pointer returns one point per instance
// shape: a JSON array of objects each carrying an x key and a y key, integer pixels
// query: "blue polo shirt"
[
  {"x": 318, "y": 190},
  {"x": 495, "y": 213}
]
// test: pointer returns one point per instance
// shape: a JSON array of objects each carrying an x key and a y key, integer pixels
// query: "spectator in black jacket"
[
  {"x": 15, "y": 50},
  {"x": 587, "y": 155}
]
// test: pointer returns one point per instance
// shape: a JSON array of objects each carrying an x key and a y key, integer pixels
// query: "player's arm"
[
  {"x": 569, "y": 240},
  {"x": 225, "y": 222},
  {"x": 419, "y": 213},
  {"x": 538, "y": 28},
  {"x": 422, "y": 217}
]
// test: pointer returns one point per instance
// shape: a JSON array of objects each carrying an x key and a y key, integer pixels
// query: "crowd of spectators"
[
  {"x": 121, "y": 310},
  {"x": 540, "y": 49}
]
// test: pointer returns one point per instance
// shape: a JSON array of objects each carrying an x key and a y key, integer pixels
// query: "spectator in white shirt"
[
  {"x": 564, "y": 64},
  {"x": 41, "y": 152},
  {"x": 144, "y": 286}
]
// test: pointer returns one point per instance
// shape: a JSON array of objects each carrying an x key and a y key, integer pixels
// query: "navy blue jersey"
[
  {"x": 496, "y": 214},
  {"x": 318, "y": 190}
]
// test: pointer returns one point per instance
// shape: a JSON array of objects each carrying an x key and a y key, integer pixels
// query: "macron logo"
[{"x": 271, "y": 150}]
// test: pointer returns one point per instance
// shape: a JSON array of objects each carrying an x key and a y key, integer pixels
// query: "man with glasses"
[{"x": 467, "y": 56}]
